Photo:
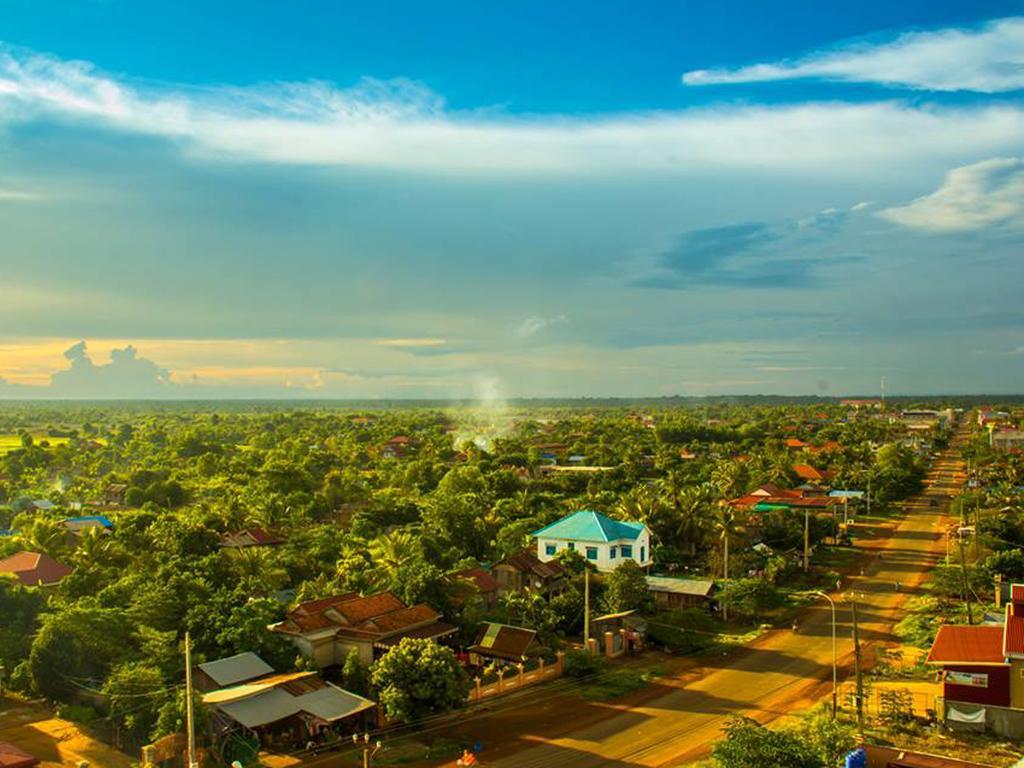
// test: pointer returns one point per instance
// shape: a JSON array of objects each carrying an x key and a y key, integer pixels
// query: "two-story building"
[{"x": 604, "y": 542}]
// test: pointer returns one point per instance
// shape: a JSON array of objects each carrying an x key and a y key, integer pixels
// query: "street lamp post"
[
  {"x": 835, "y": 659},
  {"x": 367, "y": 752}
]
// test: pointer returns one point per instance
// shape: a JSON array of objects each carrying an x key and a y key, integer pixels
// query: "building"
[
  {"x": 13, "y": 757},
  {"x": 604, "y": 542},
  {"x": 983, "y": 668},
  {"x": 232, "y": 670},
  {"x": 326, "y": 630},
  {"x": 249, "y": 537},
  {"x": 503, "y": 642},
  {"x": 475, "y": 583},
  {"x": 672, "y": 594},
  {"x": 1007, "y": 439},
  {"x": 811, "y": 474},
  {"x": 276, "y": 708},
  {"x": 34, "y": 569},
  {"x": 525, "y": 572},
  {"x": 80, "y": 525},
  {"x": 114, "y": 494}
]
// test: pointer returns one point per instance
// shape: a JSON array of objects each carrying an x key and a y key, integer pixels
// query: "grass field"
[{"x": 10, "y": 443}]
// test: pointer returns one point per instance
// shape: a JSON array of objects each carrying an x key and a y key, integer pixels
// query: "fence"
[{"x": 516, "y": 677}]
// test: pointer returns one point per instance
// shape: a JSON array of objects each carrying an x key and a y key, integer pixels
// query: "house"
[
  {"x": 40, "y": 505},
  {"x": 326, "y": 630},
  {"x": 13, "y": 757},
  {"x": 397, "y": 447},
  {"x": 503, "y": 642},
  {"x": 233, "y": 670},
  {"x": 114, "y": 494},
  {"x": 672, "y": 594},
  {"x": 34, "y": 569},
  {"x": 249, "y": 537},
  {"x": 79, "y": 525},
  {"x": 983, "y": 667},
  {"x": 604, "y": 542},
  {"x": 811, "y": 474},
  {"x": 1007, "y": 439},
  {"x": 795, "y": 442},
  {"x": 476, "y": 582},
  {"x": 277, "y": 708},
  {"x": 525, "y": 572}
]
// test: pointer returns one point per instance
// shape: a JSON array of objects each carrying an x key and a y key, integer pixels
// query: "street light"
[
  {"x": 367, "y": 752},
  {"x": 835, "y": 674}
]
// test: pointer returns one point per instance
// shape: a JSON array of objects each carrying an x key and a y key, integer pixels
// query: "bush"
[
  {"x": 76, "y": 713},
  {"x": 582, "y": 664}
]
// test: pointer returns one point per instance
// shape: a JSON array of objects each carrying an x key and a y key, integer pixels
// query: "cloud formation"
[
  {"x": 401, "y": 125},
  {"x": 535, "y": 324},
  {"x": 972, "y": 197},
  {"x": 987, "y": 59},
  {"x": 126, "y": 376}
]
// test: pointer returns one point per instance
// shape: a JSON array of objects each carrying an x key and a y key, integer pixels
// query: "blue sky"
[{"x": 539, "y": 199}]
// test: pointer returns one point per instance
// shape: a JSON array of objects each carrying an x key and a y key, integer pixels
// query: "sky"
[{"x": 535, "y": 199}]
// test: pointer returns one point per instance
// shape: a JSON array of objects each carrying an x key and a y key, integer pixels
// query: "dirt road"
[{"x": 781, "y": 672}]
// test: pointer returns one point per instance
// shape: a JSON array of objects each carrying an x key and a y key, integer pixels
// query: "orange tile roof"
[
  {"x": 957, "y": 644},
  {"x": 807, "y": 472},
  {"x": 34, "y": 569}
]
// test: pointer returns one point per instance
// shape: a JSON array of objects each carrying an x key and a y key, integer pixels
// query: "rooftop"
[
  {"x": 956, "y": 644},
  {"x": 696, "y": 587},
  {"x": 236, "y": 669},
  {"x": 591, "y": 526},
  {"x": 34, "y": 569}
]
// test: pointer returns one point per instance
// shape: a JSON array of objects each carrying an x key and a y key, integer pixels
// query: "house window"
[
  {"x": 643, "y": 554},
  {"x": 550, "y": 549},
  {"x": 627, "y": 550},
  {"x": 591, "y": 553},
  {"x": 613, "y": 552},
  {"x": 572, "y": 546}
]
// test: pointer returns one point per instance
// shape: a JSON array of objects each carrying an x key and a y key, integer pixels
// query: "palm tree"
[
  {"x": 391, "y": 551},
  {"x": 691, "y": 513}
]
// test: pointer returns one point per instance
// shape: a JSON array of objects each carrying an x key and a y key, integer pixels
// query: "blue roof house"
[{"x": 604, "y": 542}]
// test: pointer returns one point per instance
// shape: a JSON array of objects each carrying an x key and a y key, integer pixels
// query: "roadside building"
[
  {"x": 503, "y": 642},
  {"x": 290, "y": 708},
  {"x": 983, "y": 671},
  {"x": 525, "y": 572},
  {"x": 326, "y": 630},
  {"x": 671, "y": 593},
  {"x": 604, "y": 542},
  {"x": 34, "y": 569},
  {"x": 114, "y": 494},
  {"x": 1007, "y": 439}
]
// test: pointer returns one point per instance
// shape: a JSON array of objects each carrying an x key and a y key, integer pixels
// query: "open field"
[{"x": 12, "y": 442}]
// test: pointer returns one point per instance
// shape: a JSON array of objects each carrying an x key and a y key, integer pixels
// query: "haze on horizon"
[{"x": 256, "y": 200}]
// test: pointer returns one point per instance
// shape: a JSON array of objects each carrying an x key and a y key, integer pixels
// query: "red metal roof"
[
  {"x": 1017, "y": 593},
  {"x": 483, "y": 581},
  {"x": 957, "y": 644},
  {"x": 807, "y": 472},
  {"x": 1013, "y": 635},
  {"x": 34, "y": 569}
]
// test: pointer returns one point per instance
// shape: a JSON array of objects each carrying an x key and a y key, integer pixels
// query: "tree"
[
  {"x": 751, "y": 597},
  {"x": 135, "y": 692},
  {"x": 748, "y": 744},
  {"x": 626, "y": 589},
  {"x": 355, "y": 674},
  {"x": 417, "y": 678}
]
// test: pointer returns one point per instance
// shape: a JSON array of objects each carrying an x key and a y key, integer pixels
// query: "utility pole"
[
  {"x": 188, "y": 704},
  {"x": 586, "y": 607},
  {"x": 869, "y": 494},
  {"x": 856, "y": 661},
  {"x": 967, "y": 586},
  {"x": 807, "y": 539},
  {"x": 725, "y": 570}
]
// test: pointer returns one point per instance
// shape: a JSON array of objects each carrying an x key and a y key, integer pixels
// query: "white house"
[{"x": 604, "y": 542}]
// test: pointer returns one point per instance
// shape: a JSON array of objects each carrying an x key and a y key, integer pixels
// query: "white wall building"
[{"x": 604, "y": 542}]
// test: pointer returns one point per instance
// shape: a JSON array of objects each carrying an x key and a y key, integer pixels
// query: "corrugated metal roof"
[
  {"x": 591, "y": 526},
  {"x": 331, "y": 703},
  {"x": 967, "y": 645},
  {"x": 695, "y": 587},
  {"x": 236, "y": 669}
]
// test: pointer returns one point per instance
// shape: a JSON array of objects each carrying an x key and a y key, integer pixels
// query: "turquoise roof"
[{"x": 590, "y": 526}]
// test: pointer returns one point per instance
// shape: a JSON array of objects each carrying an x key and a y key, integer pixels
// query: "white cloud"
[
  {"x": 971, "y": 197},
  {"x": 989, "y": 59},
  {"x": 535, "y": 324},
  {"x": 19, "y": 196},
  {"x": 404, "y": 126}
]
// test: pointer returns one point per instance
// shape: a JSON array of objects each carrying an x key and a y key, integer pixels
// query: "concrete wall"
[{"x": 1017, "y": 684}]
